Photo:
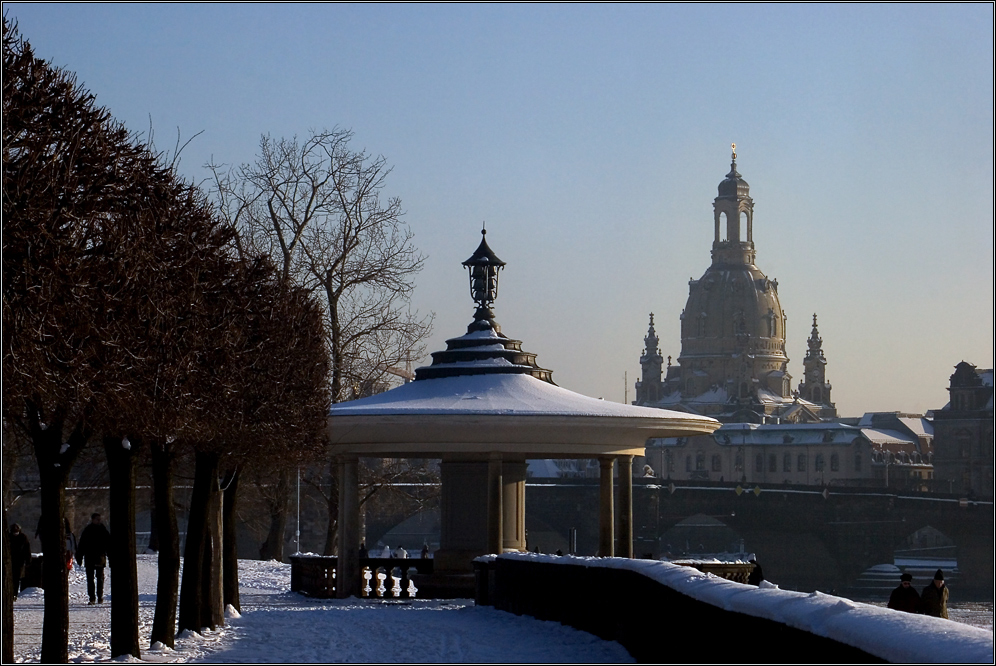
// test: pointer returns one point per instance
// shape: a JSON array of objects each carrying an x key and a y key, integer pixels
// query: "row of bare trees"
[{"x": 136, "y": 317}]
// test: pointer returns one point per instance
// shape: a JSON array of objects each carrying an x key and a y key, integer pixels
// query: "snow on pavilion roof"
[{"x": 497, "y": 395}]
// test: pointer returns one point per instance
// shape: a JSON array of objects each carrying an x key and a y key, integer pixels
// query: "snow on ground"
[{"x": 279, "y": 626}]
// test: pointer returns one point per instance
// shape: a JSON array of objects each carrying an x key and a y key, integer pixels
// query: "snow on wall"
[{"x": 891, "y": 635}]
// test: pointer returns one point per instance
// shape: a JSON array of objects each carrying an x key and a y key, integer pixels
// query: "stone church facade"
[{"x": 733, "y": 365}]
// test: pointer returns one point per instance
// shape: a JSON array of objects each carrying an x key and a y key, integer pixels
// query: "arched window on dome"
[
  {"x": 724, "y": 227},
  {"x": 744, "y": 226}
]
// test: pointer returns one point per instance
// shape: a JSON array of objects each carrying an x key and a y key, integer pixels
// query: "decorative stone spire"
[
  {"x": 649, "y": 388},
  {"x": 814, "y": 386},
  {"x": 483, "y": 350}
]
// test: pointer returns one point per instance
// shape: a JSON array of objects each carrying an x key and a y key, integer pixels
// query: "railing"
[
  {"x": 735, "y": 571},
  {"x": 315, "y": 576}
]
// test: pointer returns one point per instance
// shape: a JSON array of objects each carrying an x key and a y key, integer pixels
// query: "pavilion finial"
[{"x": 733, "y": 148}]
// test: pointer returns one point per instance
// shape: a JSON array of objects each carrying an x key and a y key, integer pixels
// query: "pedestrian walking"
[
  {"x": 20, "y": 556},
  {"x": 934, "y": 598},
  {"x": 756, "y": 574},
  {"x": 905, "y": 598},
  {"x": 92, "y": 553},
  {"x": 70, "y": 544}
]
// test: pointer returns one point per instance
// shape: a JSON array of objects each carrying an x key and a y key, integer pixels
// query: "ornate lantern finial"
[
  {"x": 483, "y": 267},
  {"x": 733, "y": 147}
]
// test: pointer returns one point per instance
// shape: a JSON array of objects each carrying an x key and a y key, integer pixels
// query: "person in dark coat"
[
  {"x": 92, "y": 553},
  {"x": 756, "y": 574},
  {"x": 934, "y": 598},
  {"x": 20, "y": 556},
  {"x": 905, "y": 598}
]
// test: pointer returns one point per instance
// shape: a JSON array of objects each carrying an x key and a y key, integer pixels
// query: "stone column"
[
  {"x": 495, "y": 532},
  {"x": 606, "y": 529},
  {"x": 513, "y": 500},
  {"x": 625, "y": 506},
  {"x": 348, "y": 573}
]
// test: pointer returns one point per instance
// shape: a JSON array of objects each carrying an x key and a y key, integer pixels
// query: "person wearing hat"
[
  {"x": 934, "y": 598},
  {"x": 905, "y": 598}
]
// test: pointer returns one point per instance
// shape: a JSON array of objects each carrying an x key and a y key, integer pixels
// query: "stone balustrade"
[{"x": 316, "y": 575}]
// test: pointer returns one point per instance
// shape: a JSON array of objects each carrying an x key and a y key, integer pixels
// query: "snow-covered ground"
[{"x": 279, "y": 626}]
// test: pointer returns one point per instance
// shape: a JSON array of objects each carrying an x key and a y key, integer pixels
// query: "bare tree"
[{"x": 318, "y": 207}]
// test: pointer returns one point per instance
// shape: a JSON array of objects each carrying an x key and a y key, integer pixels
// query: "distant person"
[
  {"x": 425, "y": 551},
  {"x": 905, "y": 598},
  {"x": 386, "y": 553},
  {"x": 934, "y": 598},
  {"x": 20, "y": 556},
  {"x": 401, "y": 553},
  {"x": 363, "y": 550},
  {"x": 756, "y": 574},
  {"x": 92, "y": 553},
  {"x": 70, "y": 544}
]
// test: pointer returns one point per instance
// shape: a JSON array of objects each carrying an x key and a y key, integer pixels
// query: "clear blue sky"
[{"x": 592, "y": 138}]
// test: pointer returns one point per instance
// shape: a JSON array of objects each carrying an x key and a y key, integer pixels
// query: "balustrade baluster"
[{"x": 405, "y": 593}]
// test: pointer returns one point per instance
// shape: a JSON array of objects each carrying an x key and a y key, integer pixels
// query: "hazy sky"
[{"x": 592, "y": 138}]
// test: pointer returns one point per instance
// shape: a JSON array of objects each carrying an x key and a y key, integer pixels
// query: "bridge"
[{"x": 805, "y": 538}]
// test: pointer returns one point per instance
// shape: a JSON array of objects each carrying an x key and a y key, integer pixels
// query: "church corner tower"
[
  {"x": 649, "y": 388},
  {"x": 814, "y": 387}
]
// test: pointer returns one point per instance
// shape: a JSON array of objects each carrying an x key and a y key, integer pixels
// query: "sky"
[{"x": 591, "y": 140}]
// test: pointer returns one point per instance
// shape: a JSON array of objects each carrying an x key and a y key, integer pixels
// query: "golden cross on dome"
[{"x": 733, "y": 147}]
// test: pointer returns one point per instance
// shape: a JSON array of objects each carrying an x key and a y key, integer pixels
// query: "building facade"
[
  {"x": 880, "y": 450},
  {"x": 963, "y": 434}
]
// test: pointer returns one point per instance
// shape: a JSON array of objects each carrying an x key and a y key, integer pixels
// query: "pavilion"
[{"x": 483, "y": 407}]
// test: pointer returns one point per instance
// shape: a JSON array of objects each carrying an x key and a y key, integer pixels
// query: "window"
[
  {"x": 802, "y": 462},
  {"x": 834, "y": 462},
  {"x": 758, "y": 463},
  {"x": 739, "y": 462},
  {"x": 818, "y": 462},
  {"x": 857, "y": 462},
  {"x": 670, "y": 461},
  {"x": 699, "y": 461},
  {"x": 772, "y": 463},
  {"x": 787, "y": 462},
  {"x": 717, "y": 464}
]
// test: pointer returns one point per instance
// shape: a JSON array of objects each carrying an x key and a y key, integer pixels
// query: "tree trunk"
[
  {"x": 230, "y": 544},
  {"x": 167, "y": 587},
  {"x": 196, "y": 549},
  {"x": 214, "y": 607},
  {"x": 121, "y": 554},
  {"x": 7, "y": 655},
  {"x": 333, "y": 511},
  {"x": 54, "y": 462},
  {"x": 55, "y": 626},
  {"x": 273, "y": 547}
]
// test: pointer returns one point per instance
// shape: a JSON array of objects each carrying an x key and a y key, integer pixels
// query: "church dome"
[{"x": 733, "y": 185}]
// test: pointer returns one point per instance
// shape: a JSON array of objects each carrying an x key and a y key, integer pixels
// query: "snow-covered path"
[{"x": 278, "y": 626}]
